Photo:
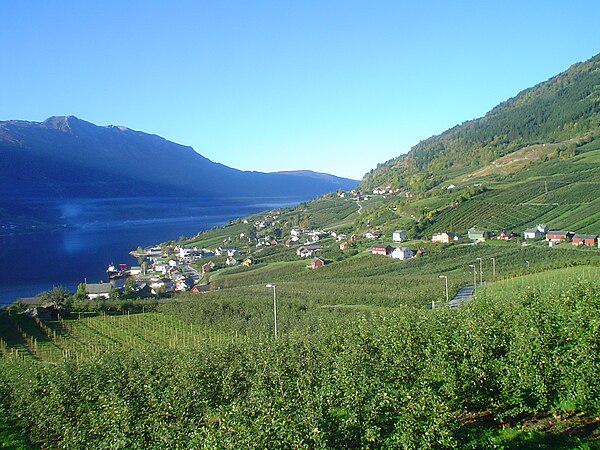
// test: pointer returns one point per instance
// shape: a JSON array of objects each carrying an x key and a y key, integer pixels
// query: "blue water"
[{"x": 101, "y": 231}]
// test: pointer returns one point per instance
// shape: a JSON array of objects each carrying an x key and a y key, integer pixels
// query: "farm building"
[
  {"x": 248, "y": 262},
  {"x": 442, "y": 238},
  {"x": 344, "y": 246},
  {"x": 557, "y": 236},
  {"x": 585, "y": 239},
  {"x": 381, "y": 249}
]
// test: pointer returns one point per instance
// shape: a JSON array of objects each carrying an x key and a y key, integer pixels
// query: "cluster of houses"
[
  {"x": 396, "y": 252},
  {"x": 552, "y": 237}
]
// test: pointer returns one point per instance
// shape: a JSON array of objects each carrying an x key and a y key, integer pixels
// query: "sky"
[{"x": 330, "y": 86}]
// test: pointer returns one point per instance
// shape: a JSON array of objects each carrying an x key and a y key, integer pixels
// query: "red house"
[
  {"x": 381, "y": 249},
  {"x": 585, "y": 239},
  {"x": 353, "y": 238},
  {"x": 317, "y": 262},
  {"x": 557, "y": 236}
]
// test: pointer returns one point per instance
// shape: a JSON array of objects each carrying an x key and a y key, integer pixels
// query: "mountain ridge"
[{"x": 60, "y": 146}]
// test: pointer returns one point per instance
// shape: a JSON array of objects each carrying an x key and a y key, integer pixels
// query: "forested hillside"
[{"x": 565, "y": 108}]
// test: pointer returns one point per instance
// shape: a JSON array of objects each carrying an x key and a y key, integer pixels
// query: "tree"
[
  {"x": 57, "y": 295},
  {"x": 80, "y": 294}
]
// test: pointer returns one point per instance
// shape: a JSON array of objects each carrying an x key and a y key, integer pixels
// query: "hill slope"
[
  {"x": 565, "y": 108},
  {"x": 66, "y": 156}
]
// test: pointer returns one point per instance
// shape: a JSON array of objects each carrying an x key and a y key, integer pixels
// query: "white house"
[
  {"x": 370, "y": 235},
  {"x": 135, "y": 270},
  {"x": 402, "y": 253},
  {"x": 443, "y": 238},
  {"x": 231, "y": 261},
  {"x": 539, "y": 230},
  {"x": 399, "y": 236},
  {"x": 98, "y": 290}
]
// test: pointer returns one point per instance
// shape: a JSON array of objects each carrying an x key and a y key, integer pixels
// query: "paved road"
[{"x": 464, "y": 295}]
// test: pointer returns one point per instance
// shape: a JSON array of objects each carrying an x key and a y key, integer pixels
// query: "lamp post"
[
  {"x": 446, "y": 279},
  {"x": 474, "y": 280},
  {"x": 527, "y": 265},
  {"x": 493, "y": 266},
  {"x": 274, "y": 307},
  {"x": 480, "y": 271}
]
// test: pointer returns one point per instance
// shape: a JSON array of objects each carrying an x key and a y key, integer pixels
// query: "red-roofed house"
[{"x": 381, "y": 249}]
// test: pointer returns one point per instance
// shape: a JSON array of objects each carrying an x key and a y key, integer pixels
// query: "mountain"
[
  {"x": 564, "y": 109},
  {"x": 69, "y": 157}
]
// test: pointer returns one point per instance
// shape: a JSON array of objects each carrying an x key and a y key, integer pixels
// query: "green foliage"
[{"x": 564, "y": 107}]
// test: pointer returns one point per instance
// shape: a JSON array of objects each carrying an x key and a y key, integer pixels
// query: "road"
[{"x": 464, "y": 295}]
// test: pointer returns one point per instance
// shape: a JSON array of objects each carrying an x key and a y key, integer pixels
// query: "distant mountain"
[
  {"x": 565, "y": 108},
  {"x": 69, "y": 157}
]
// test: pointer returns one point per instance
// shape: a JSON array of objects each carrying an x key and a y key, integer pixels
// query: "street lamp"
[
  {"x": 274, "y": 307},
  {"x": 474, "y": 280},
  {"x": 446, "y": 278},
  {"x": 493, "y": 266},
  {"x": 480, "y": 271},
  {"x": 527, "y": 265}
]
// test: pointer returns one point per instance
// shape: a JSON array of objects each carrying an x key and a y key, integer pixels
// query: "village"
[{"x": 179, "y": 267}]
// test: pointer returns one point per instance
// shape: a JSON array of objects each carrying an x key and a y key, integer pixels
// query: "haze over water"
[{"x": 102, "y": 231}]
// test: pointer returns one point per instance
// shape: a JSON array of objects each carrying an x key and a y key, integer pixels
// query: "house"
[
  {"x": 208, "y": 267},
  {"x": 503, "y": 236},
  {"x": 160, "y": 286},
  {"x": 370, "y": 235},
  {"x": 532, "y": 233},
  {"x": 478, "y": 235},
  {"x": 585, "y": 239},
  {"x": 442, "y": 238},
  {"x": 315, "y": 263},
  {"x": 30, "y": 301},
  {"x": 421, "y": 252},
  {"x": 182, "y": 285},
  {"x": 142, "y": 289},
  {"x": 308, "y": 251},
  {"x": 199, "y": 288},
  {"x": 48, "y": 311},
  {"x": 291, "y": 243},
  {"x": 98, "y": 290},
  {"x": 248, "y": 262},
  {"x": 135, "y": 270},
  {"x": 399, "y": 236},
  {"x": 554, "y": 237},
  {"x": 226, "y": 251},
  {"x": 344, "y": 246},
  {"x": 402, "y": 253},
  {"x": 160, "y": 267},
  {"x": 231, "y": 261},
  {"x": 381, "y": 249}
]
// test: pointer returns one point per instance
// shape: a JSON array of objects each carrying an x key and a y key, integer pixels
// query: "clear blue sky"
[{"x": 332, "y": 86}]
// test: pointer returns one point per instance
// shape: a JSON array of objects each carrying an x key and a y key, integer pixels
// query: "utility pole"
[
  {"x": 274, "y": 308},
  {"x": 447, "y": 298},
  {"x": 480, "y": 271},
  {"x": 474, "y": 279}
]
